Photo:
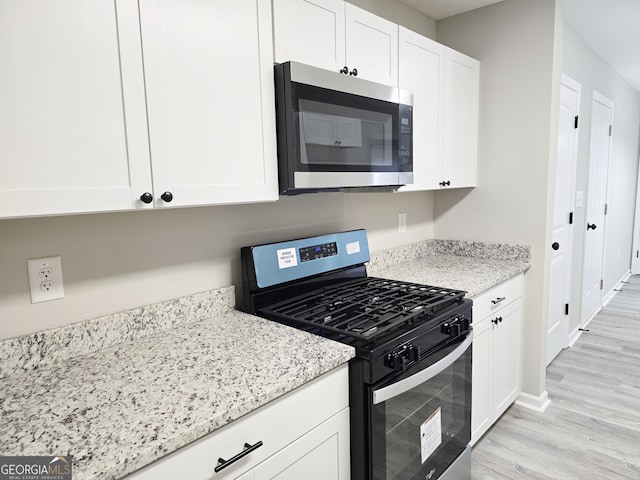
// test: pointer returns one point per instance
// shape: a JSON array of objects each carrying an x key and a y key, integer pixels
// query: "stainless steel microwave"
[{"x": 336, "y": 131}]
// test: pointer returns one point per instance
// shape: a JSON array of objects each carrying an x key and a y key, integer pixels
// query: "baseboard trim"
[
  {"x": 574, "y": 336},
  {"x": 618, "y": 286},
  {"x": 532, "y": 402}
]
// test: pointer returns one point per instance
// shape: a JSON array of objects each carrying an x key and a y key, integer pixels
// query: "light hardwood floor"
[{"x": 591, "y": 430}]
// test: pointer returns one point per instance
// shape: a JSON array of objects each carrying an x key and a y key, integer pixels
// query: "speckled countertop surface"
[
  {"x": 470, "y": 266},
  {"x": 122, "y": 407},
  {"x": 120, "y": 391}
]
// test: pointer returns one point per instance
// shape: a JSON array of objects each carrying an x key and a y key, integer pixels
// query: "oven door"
[{"x": 421, "y": 418}]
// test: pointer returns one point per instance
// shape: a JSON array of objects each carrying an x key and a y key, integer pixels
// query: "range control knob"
[
  {"x": 456, "y": 326},
  {"x": 399, "y": 359}
]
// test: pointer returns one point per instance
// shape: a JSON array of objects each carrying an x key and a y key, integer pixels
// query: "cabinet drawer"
[
  {"x": 496, "y": 297},
  {"x": 276, "y": 425}
]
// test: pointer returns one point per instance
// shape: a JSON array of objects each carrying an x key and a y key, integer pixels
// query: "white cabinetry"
[
  {"x": 460, "y": 134},
  {"x": 72, "y": 111},
  {"x": 496, "y": 354},
  {"x": 73, "y": 122},
  {"x": 445, "y": 87},
  {"x": 304, "y": 434},
  {"x": 421, "y": 71},
  {"x": 332, "y": 34}
]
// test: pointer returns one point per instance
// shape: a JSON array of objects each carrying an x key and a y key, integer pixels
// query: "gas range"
[{"x": 413, "y": 349}]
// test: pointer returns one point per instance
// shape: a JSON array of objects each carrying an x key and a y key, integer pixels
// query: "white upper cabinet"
[
  {"x": 210, "y": 93},
  {"x": 72, "y": 112},
  {"x": 332, "y": 34},
  {"x": 371, "y": 46},
  {"x": 445, "y": 86},
  {"x": 460, "y": 136},
  {"x": 421, "y": 71},
  {"x": 310, "y": 31}
]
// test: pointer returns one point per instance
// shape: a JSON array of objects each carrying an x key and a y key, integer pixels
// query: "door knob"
[
  {"x": 555, "y": 245},
  {"x": 591, "y": 226}
]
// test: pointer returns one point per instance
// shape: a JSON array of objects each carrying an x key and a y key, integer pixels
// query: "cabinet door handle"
[
  {"x": 146, "y": 197},
  {"x": 354, "y": 72},
  {"x": 497, "y": 320},
  {"x": 222, "y": 463},
  {"x": 498, "y": 300},
  {"x": 344, "y": 70}
]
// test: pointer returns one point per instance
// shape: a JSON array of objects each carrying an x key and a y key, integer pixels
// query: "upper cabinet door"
[
  {"x": 421, "y": 71},
  {"x": 310, "y": 31},
  {"x": 210, "y": 95},
  {"x": 460, "y": 144},
  {"x": 72, "y": 111},
  {"x": 371, "y": 46}
]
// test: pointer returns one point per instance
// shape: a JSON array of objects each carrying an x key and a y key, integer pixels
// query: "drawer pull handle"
[
  {"x": 222, "y": 463},
  {"x": 498, "y": 300}
]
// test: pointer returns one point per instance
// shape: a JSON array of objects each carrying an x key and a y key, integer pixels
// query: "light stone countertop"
[
  {"x": 123, "y": 390},
  {"x": 120, "y": 408}
]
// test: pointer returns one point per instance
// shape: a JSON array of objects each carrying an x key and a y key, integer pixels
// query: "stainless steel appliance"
[
  {"x": 410, "y": 383},
  {"x": 336, "y": 131}
]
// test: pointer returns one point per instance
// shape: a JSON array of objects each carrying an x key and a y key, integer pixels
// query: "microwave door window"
[{"x": 349, "y": 138}]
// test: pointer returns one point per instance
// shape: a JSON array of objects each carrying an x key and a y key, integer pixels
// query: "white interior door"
[
  {"x": 635, "y": 258},
  {"x": 599, "y": 153},
  {"x": 562, "y": 233}
]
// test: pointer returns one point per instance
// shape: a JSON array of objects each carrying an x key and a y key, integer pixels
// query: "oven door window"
[
  {"x": 421, "y": 428},
  {"x": 343, "y": 132}
]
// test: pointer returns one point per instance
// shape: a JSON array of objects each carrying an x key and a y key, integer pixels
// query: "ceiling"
[{"x": 609, "y": 27}]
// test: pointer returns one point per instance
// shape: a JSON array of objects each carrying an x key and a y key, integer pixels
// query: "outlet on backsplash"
[
  {"x": 402, "y": 223},
  {"x": 45, "y": 279}
]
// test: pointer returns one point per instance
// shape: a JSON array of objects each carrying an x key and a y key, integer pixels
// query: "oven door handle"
[{"x": 398, "y": 388}]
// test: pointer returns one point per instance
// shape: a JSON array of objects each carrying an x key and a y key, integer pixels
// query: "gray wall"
[
  {"x": 582, "y": 64},
  {"x": 518, "y": 45}
]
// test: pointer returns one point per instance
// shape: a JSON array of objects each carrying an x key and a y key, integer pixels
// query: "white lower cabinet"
[
  {"x": 304, "y": 434},
  {"x": 496, "y": 374}
]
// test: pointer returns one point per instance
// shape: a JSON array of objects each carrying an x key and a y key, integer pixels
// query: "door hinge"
[
  {"x": 601, "y": 284},
  {"x": 606, "y": 208},
  {"x": 575, "y": 123},
  {"x": 566, "y": 309},
  {"x": 570, "y": 218},
  {"x": 610, "y": 130},
  {"x": 637, "y": 253}
]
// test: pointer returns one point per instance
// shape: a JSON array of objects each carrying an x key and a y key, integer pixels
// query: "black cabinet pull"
[
  {"x": 497, "y": 320},
  {"x": 591, "y": 226},
  {"x": 555, "y": 245},
  {"x": 498, "y": 300},
  {"x": 344, "y": 70},
  {"x": 222, "y": 463},
  {"x": 167, "y": 196},
  {"x": 146, "y": 197},
  {"x": 445, "y": 183},
  {"x": 354, "y": 72}
]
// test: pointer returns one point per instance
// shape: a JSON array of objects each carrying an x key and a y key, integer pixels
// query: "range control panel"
[{"x": 318, "y": 251}]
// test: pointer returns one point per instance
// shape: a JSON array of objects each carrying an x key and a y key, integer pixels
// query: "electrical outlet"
[
  {"x": 402, "y": 223},
  {"x": 45, "y": 279}
]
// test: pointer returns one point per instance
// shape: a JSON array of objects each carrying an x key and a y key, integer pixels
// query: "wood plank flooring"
[{"x": 591, "y": 430}]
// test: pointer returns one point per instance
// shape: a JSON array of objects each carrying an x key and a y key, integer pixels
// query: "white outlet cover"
[{"x": 36, "y": 279}]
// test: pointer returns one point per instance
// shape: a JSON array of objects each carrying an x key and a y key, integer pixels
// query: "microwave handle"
[{"x": 398, "y": 388}]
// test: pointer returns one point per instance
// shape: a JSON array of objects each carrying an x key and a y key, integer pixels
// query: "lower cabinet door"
[
  {"x": 506, "y": 358},
  {"x": 481, "y": 410},
  {"x": 321, "y": 454}
]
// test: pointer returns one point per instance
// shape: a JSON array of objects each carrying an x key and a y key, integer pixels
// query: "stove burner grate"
[{"x": 365, "y": 308}]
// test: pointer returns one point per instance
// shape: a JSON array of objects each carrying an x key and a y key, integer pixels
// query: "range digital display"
[{"x": 318, "y": 251}]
